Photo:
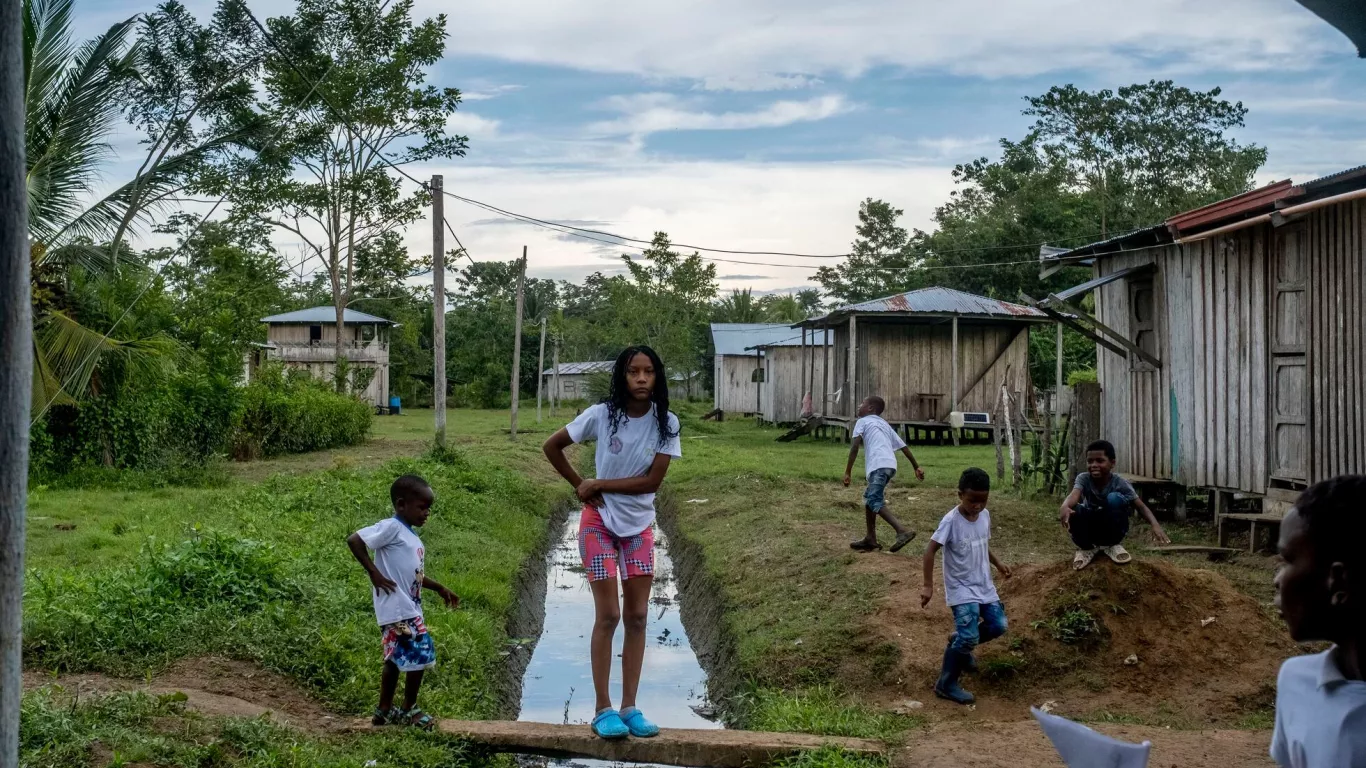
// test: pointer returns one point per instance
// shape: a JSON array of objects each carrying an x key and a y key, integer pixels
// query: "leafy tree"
[
  {"x": 878, "y": 259},
  {"x": 739, "y": 307},
  {"x": 666, "y": 303},
  {"x": 343, "y": 87}
]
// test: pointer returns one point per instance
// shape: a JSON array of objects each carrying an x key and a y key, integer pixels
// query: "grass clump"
[
  {"x": 822, "y": 711},
  {"x": 833, "y": 757}
]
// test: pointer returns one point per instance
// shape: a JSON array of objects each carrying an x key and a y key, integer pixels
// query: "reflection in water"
[{"x": 558, "y": 687}]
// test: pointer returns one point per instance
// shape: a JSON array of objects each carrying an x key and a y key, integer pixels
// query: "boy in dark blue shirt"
[{"x": 1096, "y": 512}]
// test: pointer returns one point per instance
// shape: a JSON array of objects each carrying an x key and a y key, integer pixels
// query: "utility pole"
[
  {"x": 439, "y": 308},
  {"x": 517, "y": 345},
  {"x": 16, "y": 375},
  {"x": 540, "y": 371},
  {"x": 555, "y": 378}
]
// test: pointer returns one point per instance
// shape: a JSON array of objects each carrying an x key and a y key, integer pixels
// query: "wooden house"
[
  {"x": 573, "y": 378},
  {"x": 791, "y": 371},
  {"x": 1232, "y": 341},
  {"x": 307, "y": 339},
  {"x": 738, "y": 363},
  {"x": 927, "y": 352}
]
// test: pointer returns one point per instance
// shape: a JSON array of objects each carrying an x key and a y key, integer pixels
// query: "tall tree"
[
  {"x": 665, "y": 302},
  {"x": 739, "y": 307},
  {"x": 345, "y": 91},
  {"x": 878, "y": 259}
]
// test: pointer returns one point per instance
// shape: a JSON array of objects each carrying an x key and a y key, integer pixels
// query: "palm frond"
[
  {"x": 47, "y": 47},
  {"x": 71, "y": 353},
  {"x": 68, "y": 126}
]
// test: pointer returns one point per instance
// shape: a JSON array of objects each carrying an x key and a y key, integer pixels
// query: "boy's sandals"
[
  {"x": 1083, "y": 558},
  {"x": 415, "y": 717},
  {"x": 862, "y": 545},
  {"x": 383, "y": 716},
  {"x": 1119, "y": 554},
  {"x": 902, "y": 541}
]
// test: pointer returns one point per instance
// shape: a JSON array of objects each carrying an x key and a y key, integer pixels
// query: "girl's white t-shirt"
[{"x": 628, "y": 453}]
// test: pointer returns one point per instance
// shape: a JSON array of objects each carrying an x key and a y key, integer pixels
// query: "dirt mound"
[{"x": 1147, "y": 629}]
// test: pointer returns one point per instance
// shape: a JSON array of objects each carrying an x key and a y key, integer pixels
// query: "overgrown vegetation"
[
  {"x": 821, "y": 710},
  {"x": 262, "y": 573},
  {"x": 296, "y": 414}
]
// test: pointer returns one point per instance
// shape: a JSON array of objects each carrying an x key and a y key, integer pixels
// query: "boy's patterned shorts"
[
  {"x": 408, "y": 645},
  {"x": 604, "y": 553}
]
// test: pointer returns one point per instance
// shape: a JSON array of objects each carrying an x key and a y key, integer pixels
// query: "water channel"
[{"x": 558, "y": 686}]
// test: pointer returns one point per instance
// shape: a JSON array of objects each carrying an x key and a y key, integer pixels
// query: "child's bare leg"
[
  {"x": 388, "y": 684},
  {"x": 635, "y": 614},
  {"x": 886, "y": 514},
  {"x": 607, "y": 606},
  {"x": 869, "y": 539},
  {"x": 411, "y": 685}
]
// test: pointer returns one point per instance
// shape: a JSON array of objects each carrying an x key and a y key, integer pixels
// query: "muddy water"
[{"x": 558, "y": 687}]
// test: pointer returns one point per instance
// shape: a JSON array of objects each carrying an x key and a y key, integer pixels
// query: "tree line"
[{"x": 303, "y": 123}]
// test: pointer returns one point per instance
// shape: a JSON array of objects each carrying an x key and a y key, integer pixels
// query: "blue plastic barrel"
[{"x": 395, "y": 406}]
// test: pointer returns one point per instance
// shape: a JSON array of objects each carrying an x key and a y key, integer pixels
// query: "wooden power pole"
[
  {"x": 517, "y": 344},
  {"x": 555, "y": 378},
  {"x": 439, "y": 309},
  {"x": 16, "y": 374},
  {"x": 540, "y": 371}
]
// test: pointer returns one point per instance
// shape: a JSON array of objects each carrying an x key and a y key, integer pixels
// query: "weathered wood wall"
[
  {"x": 734, "y": 391},
  {"x": 901, "y": 361},
  {"x": 782, "y": 390},
  {"x": 1336, "y": 274}
]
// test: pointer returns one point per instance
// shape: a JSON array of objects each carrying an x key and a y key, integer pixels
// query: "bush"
[
  {"x": 295, "y": 414},
  {"x": 1084, "y": 376}
]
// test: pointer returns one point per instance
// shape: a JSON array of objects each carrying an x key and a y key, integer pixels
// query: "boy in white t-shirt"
[
  {"x": 978, "y": 616},
  {"x": 880, "y": 465},
  {"x": 1321, "y": 699},
  {"x": 398, "y": 576}
]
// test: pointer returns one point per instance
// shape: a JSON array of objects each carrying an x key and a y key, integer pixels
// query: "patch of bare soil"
[
  {"x": 1148, "y": 640},
  {"x": 212, "y": 686},
  {"x": 1008, "y": 745}
]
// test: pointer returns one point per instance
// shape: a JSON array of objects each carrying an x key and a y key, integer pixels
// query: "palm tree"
[
  {"x": 71, "y": 107},
  {"x": 738, "y": 307}
]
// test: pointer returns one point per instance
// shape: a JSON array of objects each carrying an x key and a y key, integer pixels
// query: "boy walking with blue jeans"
[
  {"x": 880, "y": 463},
  {"x": 978, "y": 616}
]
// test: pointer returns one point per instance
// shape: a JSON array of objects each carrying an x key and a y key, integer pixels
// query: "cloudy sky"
[{"x": 760, "y": 124}]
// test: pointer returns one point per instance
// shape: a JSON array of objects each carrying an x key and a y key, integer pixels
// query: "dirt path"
[
  {"x": 1006, "y": 745},
  {"x": 212, "y": 686}
]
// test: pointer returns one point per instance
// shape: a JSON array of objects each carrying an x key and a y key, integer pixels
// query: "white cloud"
[
  {"x": 757, "y": 82},
  {"x": 491, "y": 92},
  {"x": 472, "y": 125},
  {"x": 720, "y": 39},
  {"x": 654, "y": 112}
]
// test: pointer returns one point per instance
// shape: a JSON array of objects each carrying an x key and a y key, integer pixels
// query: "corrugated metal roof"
[
  {"x": 1341, "y": 177},
  {"x": 570, "y": 369},
  {"x": 1245, "y": 205},
  {"x": 1129, "y": 241},
  {"x": 940, "y": 301},
  {"x": 324, "y": 315},
  {"x": 741, "y": 338}
]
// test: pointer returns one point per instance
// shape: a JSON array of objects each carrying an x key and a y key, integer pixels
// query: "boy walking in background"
[
  {"x": 398, "y": 577},
  {"x": 978, "y": 616},
  {"x": 880, "y": 464},
  {"x": 1321, "y": 594},
  {"x": 1096, "y": 512}
]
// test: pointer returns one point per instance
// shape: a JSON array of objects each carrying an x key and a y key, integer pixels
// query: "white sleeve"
[
  {"x": 380, "y": 535},
  {"x": 858, "y": 429},
  {"x": 586, "y": 425},
  {"x": 897, "y": 442},
  {"x": 943, "y": 534},
  {"x": 1280, "y": 745},
  {"x": 674, "y": 445}
]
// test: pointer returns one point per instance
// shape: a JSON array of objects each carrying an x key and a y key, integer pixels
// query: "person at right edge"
[{"x": 1321, "y": 594}]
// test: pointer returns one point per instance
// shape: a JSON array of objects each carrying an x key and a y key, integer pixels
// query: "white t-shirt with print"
[
  {"x": 967, "y": 561},
  {"x": 880, "y": 443},
  {"x": 399, "y": 556},
  {"x": 627, "y": 454}
]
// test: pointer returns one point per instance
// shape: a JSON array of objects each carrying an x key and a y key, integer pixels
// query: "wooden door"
[{"x": 1289, "y": 374}]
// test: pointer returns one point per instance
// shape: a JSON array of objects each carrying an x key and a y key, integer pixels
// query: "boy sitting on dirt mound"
[
  {"x": 1321, "y": 699},
  {"x": 1097, "y": 510},
  {"x": 978, "y": 616}
]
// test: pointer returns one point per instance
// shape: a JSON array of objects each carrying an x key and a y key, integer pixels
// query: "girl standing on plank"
[{"x": 636, "y": 437}]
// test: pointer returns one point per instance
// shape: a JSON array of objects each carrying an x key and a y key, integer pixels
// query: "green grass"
[
  {"x": 134, "y": 729},
  {"x": 823, "y": 711},
  {"x": 832, "y": 757},
  {"x": 261, "y": 571}
]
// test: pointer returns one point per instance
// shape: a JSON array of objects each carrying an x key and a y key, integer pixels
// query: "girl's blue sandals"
[{"x": 610, "y": 724}]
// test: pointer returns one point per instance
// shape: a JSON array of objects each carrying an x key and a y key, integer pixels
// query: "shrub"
[
  {"x": 1084, "y": 376},
  {"x": 295, "y": 414}
]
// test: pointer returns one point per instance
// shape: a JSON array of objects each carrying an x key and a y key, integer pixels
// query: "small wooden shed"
[
  {"x": 738, "y": 363},
  {"x": 792, "y": 370},
  {"x": 927, "y": 352},
  {"x": 1232, "y": 339},
  {"x": 573, "y": 378}
]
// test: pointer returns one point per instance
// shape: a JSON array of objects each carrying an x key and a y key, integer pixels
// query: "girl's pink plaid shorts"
[{"x": 605, "y": 554}]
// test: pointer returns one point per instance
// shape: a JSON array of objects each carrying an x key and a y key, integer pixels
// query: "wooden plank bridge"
[{"x": 673, "y": 746}]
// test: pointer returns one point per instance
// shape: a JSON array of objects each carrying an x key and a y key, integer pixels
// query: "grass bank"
[{"x": 126, "y": 582}]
